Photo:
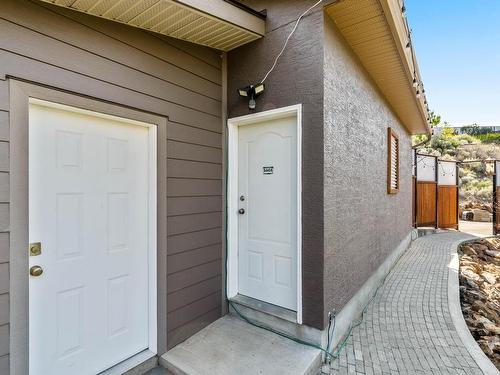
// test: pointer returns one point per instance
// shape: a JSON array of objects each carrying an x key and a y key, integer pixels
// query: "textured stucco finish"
[
  {"x": 298, "y": 78},
  {"x": 363, "y": 224}
]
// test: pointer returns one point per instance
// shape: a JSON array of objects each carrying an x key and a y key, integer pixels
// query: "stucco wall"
[
  {"x": 363, "y": 224},
  {"x": 298, "y": 78}
]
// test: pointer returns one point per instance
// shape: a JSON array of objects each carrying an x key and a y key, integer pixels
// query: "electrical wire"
[{"x": 287, "y": 39}]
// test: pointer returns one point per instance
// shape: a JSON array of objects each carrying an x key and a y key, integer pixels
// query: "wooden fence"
[{"x": 435, "y": 192}]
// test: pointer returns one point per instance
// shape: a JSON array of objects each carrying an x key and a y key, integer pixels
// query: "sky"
[{"x": 457, "y": 44}]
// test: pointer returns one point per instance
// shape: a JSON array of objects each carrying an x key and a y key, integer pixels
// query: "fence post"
[
  {"x": 458, "y": 191},
  {"x": 415, "y": 191},
  {"x": 436, "y": 174}
]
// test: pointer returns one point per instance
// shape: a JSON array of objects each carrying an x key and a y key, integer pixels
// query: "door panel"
[
  {"x": 268, "y": 228},
  {"x": 88, "y": 206}
]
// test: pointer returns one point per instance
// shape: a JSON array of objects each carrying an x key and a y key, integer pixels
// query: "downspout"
[{"x": 423, "y": 143}]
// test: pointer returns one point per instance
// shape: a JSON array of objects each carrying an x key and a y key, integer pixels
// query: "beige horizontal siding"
[
  {"x": 4, "y": 187},
  {"x": 191, "y": 276},
  {"x": 195, "y": 59},
  {"x": 194, "y": 152},
  {"x": 4, "y": 226},
  {"x": 4, "y": 217},
  {"x": 4, "y": 364},
  {"x": 4, "y": 278},
  {"x": 115, "y": 63},
  {"x": 4, "y": 309},
  {"x": 184, "y": 315},
  {"x": 178, "y": 299},
  {"x": 193, "y": 205},
  {"x": 192, "y": 187},
  {"x": 4, "y": 125},
  {"x": 190, "y": 241},
  {"x": 187, "y": 134},
  {"x": 50, "y": 75},
  {"x": 36, "y": 46},
  {"x": 184, "y": 331},
  {"x": 4, "y": 340},
  {"x": 4, "y": 94},
  {"x": 151, "y": 55},
  {"x": 182, "y": 261},
  {"x": 193, "y": 222},
  {"x": 4, "y": 247}
]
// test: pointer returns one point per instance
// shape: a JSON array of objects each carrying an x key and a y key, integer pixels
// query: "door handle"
[
  {"x": 36, "y": 271},
  {"x": 241, "y": 211}
]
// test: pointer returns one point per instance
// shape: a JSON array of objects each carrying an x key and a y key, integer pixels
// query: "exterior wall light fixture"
[{"x": 251, "y": 92}]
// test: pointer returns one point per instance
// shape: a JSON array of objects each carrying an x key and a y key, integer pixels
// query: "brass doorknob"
[{"x": 36, "y": 271}]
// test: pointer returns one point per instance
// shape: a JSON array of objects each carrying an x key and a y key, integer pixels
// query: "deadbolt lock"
[
  {"x": 36, "y": 271},
  {"x": 35, "y": 249}
]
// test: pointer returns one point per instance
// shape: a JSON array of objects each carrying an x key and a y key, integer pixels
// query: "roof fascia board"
[
  {"x": 394, "y": 18},
  {"x": 228, "y": 12}
]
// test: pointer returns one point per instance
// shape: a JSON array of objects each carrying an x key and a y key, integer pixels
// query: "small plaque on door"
[{"x": 268, "y": 170}]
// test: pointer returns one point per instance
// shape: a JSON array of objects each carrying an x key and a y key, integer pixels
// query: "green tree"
[{"x": 434, "y": 120}]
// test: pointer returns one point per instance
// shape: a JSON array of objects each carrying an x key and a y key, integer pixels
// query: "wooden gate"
[
  {"x": 426, "y": 190},
  {"x": 447, "y": 194},
  {"x": 436, "y": 192}
]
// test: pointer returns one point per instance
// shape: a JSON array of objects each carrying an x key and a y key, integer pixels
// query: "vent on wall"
[
  {"x": 392, "y": 162},
  {"x": 169, "y": 18}
]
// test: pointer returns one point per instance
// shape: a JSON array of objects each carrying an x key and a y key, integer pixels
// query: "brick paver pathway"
[{"x": 407, "y": 328}]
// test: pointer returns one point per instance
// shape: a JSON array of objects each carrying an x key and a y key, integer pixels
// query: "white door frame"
[
  {"x": 20, "y": 95},
  {"x": 233, "y": 125},
  {"x": 152, "y": 214}
]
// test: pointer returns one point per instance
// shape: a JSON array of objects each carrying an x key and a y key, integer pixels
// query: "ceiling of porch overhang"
[
  {"x": 216, "y": 23},
  {"x": 378, "y": 34}
]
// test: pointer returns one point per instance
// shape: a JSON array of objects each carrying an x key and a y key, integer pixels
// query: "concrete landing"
[{"x": 232, "y": 346}]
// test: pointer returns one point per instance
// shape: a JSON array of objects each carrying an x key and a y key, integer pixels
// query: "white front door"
[
  {"x": 267, "y": 189},
  {"x": 89, "y": 209}
]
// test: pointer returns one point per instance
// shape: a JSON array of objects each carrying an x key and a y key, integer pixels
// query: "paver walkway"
[{"x": 408, "y": 328}]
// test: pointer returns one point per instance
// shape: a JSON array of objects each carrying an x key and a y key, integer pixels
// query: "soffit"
[
  {"x": 377, "y": 32},
  {"x": 215, "y": 24}
]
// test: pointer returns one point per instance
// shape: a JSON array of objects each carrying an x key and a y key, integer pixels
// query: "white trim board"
[{"x": 233, "y": 125}]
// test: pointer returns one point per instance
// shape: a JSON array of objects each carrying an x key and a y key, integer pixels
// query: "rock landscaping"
[{"x": 480, "y": 293}]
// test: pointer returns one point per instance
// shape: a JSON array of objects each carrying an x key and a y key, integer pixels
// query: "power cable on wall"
[
  {"x": 332, "y": 318},
  {"x": 288, "y": 38}
]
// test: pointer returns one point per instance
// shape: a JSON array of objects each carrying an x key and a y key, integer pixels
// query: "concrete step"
[
  {"x": 274, "y": 317},
  {"x": 231, "y": 346}
]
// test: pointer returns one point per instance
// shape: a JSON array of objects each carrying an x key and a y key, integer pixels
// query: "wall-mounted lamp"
[{"x": 251, "y": 92}]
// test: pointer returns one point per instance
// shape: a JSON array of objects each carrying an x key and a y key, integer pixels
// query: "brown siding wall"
[
  {"x": 112, "y": 62},
  {"x": 298, "y": 78}
]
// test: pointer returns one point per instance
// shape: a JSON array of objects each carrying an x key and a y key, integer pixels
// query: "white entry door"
[
  {"x": 267, "y": 184},
  {"x": 88, "y": 207}
]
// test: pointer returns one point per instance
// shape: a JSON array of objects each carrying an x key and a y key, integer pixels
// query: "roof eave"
[
  {"x": 378, "y": 51},
  {"x": 216, "y": 24}
]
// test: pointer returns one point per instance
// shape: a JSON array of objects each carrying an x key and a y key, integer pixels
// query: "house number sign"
[{"x": 268, "y": 170}]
